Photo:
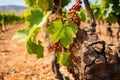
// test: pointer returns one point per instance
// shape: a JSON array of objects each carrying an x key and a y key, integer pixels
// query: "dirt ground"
[{"x": 16, "y": 64}]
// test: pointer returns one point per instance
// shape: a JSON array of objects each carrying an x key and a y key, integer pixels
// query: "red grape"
[{"x": 72, "y": 12}]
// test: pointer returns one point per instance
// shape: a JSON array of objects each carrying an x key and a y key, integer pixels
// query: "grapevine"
[
  {"x": 67, "y": 40},
  {"x": 7, "y": 19}
]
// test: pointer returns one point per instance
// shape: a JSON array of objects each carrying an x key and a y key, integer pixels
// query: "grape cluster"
[
  {"x": 52, "y": 46},
  {"x": 72, "y": 12}
]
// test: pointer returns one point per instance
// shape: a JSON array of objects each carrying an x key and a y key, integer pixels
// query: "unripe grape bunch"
[{"x": 72, "y": 12}]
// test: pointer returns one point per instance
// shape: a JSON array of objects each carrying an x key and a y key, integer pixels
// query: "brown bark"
[{"x": 90, "y": 13}]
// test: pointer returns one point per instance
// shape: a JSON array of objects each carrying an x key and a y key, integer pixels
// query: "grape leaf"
[
  {"x": 63, "y": 32},
  {"x": 109, "y": 10},
  {"x": 36, "y": 28},
  {"x": 56, "y": 29},
  {"x": 34, "y": 48},
  {"x": 50, "y": 3},
  {"x": 70, "y": 31},
  {"x": 31, "y": 47},
  {"x": 33, "y": 33},
  {"x": 83, "y": 15},
  {"x": 27, "y": 12},
  {"x": 34, "y": 17},
  {"x": 30, "y": 3},
  {"x": 112, "y": 18},
  {"x": 21, "y": 34},
  {"x": 63, "y": 58},
  {"x": 44, "y": 4},
  {"x": 40, "y": 50}
]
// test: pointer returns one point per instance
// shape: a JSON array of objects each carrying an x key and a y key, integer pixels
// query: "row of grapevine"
[
  {"x": 106, "y": 10},
  {"x": 109, "y": 11},
  {"x": 7, "y": 19}
]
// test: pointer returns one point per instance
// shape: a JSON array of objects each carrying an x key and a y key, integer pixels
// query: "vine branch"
[{"x": 90, "y": 13}]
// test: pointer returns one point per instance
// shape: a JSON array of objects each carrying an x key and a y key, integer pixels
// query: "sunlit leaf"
[
  {"x": 34, "y": 16},
  {"x": 56, "y": 29},
  {"x": 63, "y": 58},
  {"x": 69, "y": 34},
  {"x": 21, "y": 35},
  {"x": 63, "y": 32},
  {"x": 30, "y": 3}
]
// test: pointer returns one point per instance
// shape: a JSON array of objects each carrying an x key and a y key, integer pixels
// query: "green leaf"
[
  {"x": 65, "y": 33},
  {"x": 34, "y": 48},
  {"x": 32, "y": 32},
  {"x": 44, "y": 19},
  {"x": 56, "y": 29},
  {"x": 109, "y": 10},
  {"x": 117, "y": 10},
  {"x": 83, "y": 15},
  {"x": 21, "y": 35},
  {"x": 40, "y": 50},
  {"x": 112, "y": 18},
  {"x": 63, "y": 58},
  {"x": 31, "y": 47},
  {"x": 64, "y": 12},
  {"x": 45, "y": 4},
  {"x": 42, "y": 5},
  {"x": 69, "y": 34},
  {"x": 34, "y": 17},
  {"x": 30, "y": 3},
  {"x": 50, "y": 3}
]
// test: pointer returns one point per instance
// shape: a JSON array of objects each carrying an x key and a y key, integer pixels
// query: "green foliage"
[
  {"x": 69, "y": 31},
  {"x": 10, "y": 18},
  {"x": 30, "y": 3},
  {"x": 63, "y": 32},
  {"x": 30, "y": 33},
  {"x": 44, "y": 5},
  {"x": 83, "y": 15},
  {"x": 33, "y": 16},
  {"x": 63, "y": 58},
  {"x": 64, "y": 12},
  {"x": 107, "y": 10},
  {"x": 34, "y": 30},
  {"x": 110, "y": 10},
  {"x": 34, "y": 48},
  {"x": 1, "y": 18},
  {"x": 36, "y": 17},
  {"x": 96, "y": 8}
]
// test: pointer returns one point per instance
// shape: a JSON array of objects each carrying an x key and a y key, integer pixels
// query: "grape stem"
[{"x": 58, "y": 8}]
